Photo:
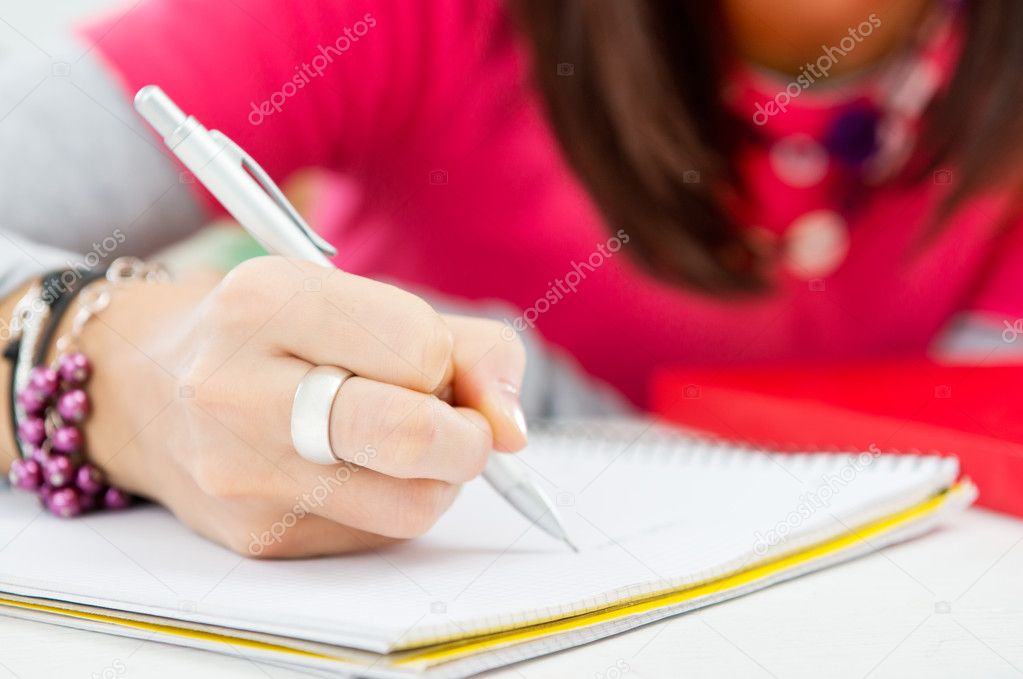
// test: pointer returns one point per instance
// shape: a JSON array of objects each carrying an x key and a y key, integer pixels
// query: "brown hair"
[{"x": 641, "y": 122}]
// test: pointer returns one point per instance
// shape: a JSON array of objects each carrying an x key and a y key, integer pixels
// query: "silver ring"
[{"x": 310, "y": 413}]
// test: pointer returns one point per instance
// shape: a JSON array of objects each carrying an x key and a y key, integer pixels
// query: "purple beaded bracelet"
[
  {"x": 55, "y": 405},
  {"x": 51, "y": 405}
]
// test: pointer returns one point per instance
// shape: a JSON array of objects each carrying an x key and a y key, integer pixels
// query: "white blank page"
[{"x": 647, "y": 512}]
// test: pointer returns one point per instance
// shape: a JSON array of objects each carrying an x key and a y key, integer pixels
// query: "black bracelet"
[
  {"x": 59, "y": 307},
  {"x": 59, "y": 289}
]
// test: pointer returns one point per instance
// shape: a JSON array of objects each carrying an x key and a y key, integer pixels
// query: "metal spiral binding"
[{"x": 655, "y": 442}]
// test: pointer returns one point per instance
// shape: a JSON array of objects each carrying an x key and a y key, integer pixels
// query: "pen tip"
[{"x": 572, "y": 545}]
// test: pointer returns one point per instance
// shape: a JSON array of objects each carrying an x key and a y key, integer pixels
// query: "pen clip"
[{"x": 264, "y": 180}]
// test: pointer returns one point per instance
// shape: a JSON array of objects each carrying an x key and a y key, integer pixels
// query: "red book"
[{"x": 973, "y": 412}]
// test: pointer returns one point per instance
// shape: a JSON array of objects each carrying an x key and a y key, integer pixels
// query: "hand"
[{"x": 193, "y": 386}]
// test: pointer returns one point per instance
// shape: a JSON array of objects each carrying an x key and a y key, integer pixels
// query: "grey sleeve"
[
  {"x": 976, "y": 339},
  {"x": 83, "y": 180},
  {"x": 556, "y": 386}
]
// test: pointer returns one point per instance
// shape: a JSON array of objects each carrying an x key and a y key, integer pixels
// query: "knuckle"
[
  {"x": 469, "y": 446},
  {"x": 437, "y": 352},
  {"x": 250, "y": 285},
  {"x": 421, "y": 504},
  {"x": 224, "y": 309},
  {"x": 240, "y": 281},
  {"x": 416, "y": 436},
  {"x": 477, "y": 454},
  {"x": 432, "y": 344}
]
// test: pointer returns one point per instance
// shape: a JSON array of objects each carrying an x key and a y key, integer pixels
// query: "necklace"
[{"x": 818, "y": 152}]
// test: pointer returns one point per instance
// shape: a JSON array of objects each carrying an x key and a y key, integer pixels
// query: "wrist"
[
  {"x": 55, "y": 398},
  {"x": 8, "y": 449},
  {"x": 135, "y": 383}
]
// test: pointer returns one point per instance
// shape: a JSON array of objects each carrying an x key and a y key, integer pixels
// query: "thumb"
[{"x": 487, "y": 367}]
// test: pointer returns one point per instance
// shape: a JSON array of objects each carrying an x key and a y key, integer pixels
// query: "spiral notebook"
[{"x": 665, "y": 523}]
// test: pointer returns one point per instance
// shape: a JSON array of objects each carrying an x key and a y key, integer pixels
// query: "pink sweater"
[{"x": 452, "y": 179}]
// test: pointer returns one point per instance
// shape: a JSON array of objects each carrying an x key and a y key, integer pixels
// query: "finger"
[
  {"x": 277, "y": 519},
  {"x": 406, "y": 434},
  {"x": 393, "y": 430},
  {"x": 368, "y": 500},
  {"x": 310, "y": 537},
  {"x": 344, "y": 493},
  {"x": 488, "y": 367},
  {"x": 327, "y": 317}
]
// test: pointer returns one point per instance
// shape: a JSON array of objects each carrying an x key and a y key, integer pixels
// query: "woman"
[{"x": 644, "y": 183}]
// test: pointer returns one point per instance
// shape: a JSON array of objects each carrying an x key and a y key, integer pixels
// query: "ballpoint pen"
[{"x": 248, "y": 193}]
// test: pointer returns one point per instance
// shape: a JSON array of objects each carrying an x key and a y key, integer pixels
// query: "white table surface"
[{"x": 949, "y": 604}]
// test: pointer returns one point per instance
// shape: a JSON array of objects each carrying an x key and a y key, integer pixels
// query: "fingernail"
[{"x": 510, "y": 405}]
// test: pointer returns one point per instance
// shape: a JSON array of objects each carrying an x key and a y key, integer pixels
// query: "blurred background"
[
  {"x": 36, "y": 20},
  {"x": 28, "y": 28}
]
